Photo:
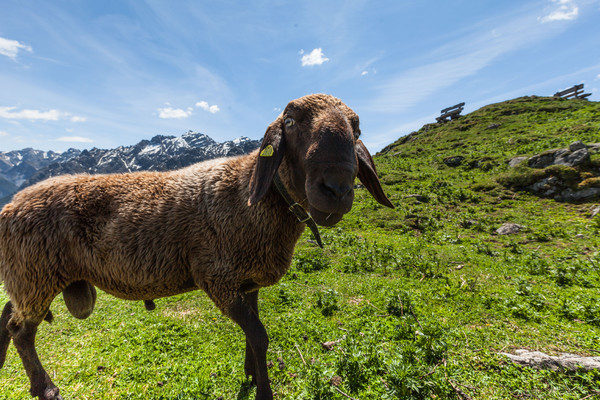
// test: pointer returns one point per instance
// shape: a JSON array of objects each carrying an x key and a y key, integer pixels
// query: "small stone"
[
  {"x": 328, "y": 345},
  {"x": 336, "y": 380},
  {"x": 595, "y": 212},
  {"x": 508, "y": 228},
  {"x": 493, "y": 126},
  {"x": 579, "y": 236}
]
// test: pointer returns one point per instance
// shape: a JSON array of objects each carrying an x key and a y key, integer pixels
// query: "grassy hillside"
[{"x": 411, "y": 303}]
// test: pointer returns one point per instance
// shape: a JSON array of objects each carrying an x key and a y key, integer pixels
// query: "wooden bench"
[
  {"x": 450, "y": 112},
  {"x": 575, "y": 92}
]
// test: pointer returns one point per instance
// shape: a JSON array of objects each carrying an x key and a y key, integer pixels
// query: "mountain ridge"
[{"x": 22, "y": 168}]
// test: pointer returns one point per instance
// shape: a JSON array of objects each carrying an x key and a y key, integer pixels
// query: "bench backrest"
[{"x": 460, "y": 105}]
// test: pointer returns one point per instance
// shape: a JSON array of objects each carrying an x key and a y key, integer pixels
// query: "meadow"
[{"x": 417, "y": 302}]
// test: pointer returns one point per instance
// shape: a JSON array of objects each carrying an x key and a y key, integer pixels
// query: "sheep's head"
[{"x": 314, "y": 144}]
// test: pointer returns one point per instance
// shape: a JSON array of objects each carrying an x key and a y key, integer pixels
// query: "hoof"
[{"x": 51, "y": 394}]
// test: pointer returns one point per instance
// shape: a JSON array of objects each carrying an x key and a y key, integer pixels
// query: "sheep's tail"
[{"x": 4, "y": 333}]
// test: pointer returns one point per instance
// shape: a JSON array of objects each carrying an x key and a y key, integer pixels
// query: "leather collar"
[{"x": 299, "y": 211}]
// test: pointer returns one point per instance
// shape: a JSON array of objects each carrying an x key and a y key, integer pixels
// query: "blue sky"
[{"x": 108, "y": 73}]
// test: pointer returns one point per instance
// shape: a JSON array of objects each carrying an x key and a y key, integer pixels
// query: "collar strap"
[{"x": 299, "y": 211}]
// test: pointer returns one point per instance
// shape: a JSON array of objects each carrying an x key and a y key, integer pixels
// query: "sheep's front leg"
[
  {"x": 24, "y": 339},
  {"x": 241, "y": 311},
  {"x": 4, "y": 333},
  {"x": 250, "y": 362}
]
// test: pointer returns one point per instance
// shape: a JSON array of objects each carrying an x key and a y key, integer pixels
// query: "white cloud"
[
  {"x": 11, "y": 113},
  {"x": 170, "y": 112},
  {"x": 364, "y": 73},
  {"x": 74, "y": 139},
  {"x": 211, "y": 109},
  {"x": 10, "y": 48},
  {"x": 32, "y": 115},
  {"x": 597, "y": 77},
  {"x": 567, "y": 10},
  {"x": 2, "y": 133},
  {"x": 315, "y": 57}
]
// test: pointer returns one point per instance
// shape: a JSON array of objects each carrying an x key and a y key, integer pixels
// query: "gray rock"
[
  {"x": 509, "y": 228},
  {"x": 542, "y": 160},
  {"x": 578, "y": 145},
  {"x": 453, "y": 161},
  {"x": 516, "y": 161},
  {"x": 595, "y": 212},
  {"x": 560, "y": 157},
  {"x": 565, "y": 361},
  {"x": 572, "y": 159},
  {"x": 493, "y": 126},
  {"x": 578, "y": 195},
  {"x": 547, "y": 186},
  {"x": 594, "y": 147},
  {"x": 579, "y": 236}
]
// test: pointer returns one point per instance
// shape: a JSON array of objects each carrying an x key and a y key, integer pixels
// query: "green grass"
[{"x": 419, "y": 301}]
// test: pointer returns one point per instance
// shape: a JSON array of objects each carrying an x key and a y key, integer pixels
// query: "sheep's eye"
[{"x": 289, "y": 122}]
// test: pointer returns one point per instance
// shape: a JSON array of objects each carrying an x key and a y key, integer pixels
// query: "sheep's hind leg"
[
  {"x": 23, "y": 334},
  {"x": 250, "y": 362},
  {"x": 256, "y": 336}
]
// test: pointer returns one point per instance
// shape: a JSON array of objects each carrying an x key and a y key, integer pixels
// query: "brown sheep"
[{"x": 219, "y": 226}]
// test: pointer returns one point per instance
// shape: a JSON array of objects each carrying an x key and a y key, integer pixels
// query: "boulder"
[
  {"x": 516, "y": 161},
  {"x": 577, "y": 145},
  {"x": 547, "y": 186},
  {"x": 578, "y": 195},
  {"x": 567, "y": 157},
  {"x": 542, "y": 160},
  {"x": 573, "y": 158}
]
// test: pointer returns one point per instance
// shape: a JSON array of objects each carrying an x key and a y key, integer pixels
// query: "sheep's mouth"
[
  {"x": 326, "y": 206},
  {"x": 325, "y": 218}
]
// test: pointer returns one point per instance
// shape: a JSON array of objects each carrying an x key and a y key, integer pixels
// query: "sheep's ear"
[
  {"x": 268, "y": 160},
  {"x": 368, "y": 174}
]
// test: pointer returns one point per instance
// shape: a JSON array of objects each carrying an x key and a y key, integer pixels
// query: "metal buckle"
[{"x": 298, "y": 211}]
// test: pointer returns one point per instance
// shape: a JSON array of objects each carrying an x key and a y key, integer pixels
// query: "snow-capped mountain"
[{"x": 22, "y": 168}]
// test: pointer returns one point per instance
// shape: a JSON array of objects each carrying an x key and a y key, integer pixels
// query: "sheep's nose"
[{"x": 339, "y": 190}]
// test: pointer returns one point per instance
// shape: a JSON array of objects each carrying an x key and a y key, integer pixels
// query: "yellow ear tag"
[{"x": 267, "y": 151}]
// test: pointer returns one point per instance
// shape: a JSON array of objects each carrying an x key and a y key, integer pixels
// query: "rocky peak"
[{"x": 22, "y": 168}]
